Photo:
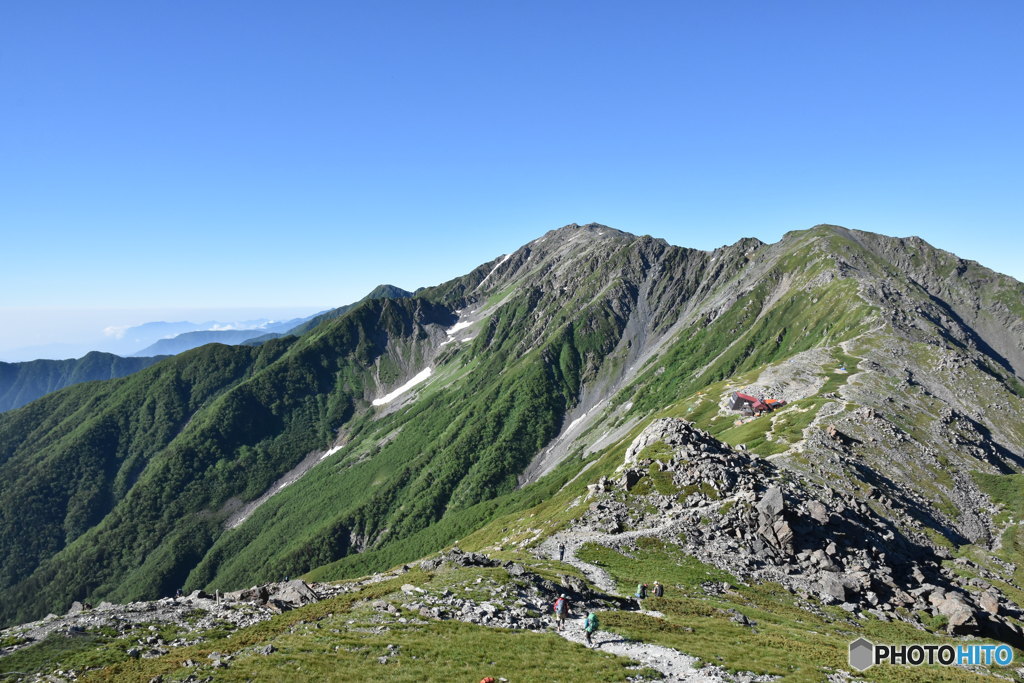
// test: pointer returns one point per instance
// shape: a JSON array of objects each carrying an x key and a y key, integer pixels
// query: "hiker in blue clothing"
[{"x": 590, "y": 625}]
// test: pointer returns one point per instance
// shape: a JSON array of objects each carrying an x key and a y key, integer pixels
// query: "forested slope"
[{"x": 125, "y": 489}]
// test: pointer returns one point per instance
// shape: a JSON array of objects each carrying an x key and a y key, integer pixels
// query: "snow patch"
[
  {"x": 420, "y": 377},
  {"x": 574, "y": 423},
  {"x": 330, "y": 453},
  {"x": 461, "y": 325},
  {"x": 504, "y": 258}
]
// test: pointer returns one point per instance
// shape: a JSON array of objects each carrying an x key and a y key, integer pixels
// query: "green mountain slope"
[
  {"x": 125, "y": 483},
  {"x": 227, "y": 466}
]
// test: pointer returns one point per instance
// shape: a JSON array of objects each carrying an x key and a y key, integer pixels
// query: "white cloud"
[{"x": 115, "y": 331}]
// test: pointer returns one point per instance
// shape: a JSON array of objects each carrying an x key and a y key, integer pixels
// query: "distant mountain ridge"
[
  {"x": 190, "y": 340},
  {"x": 133, "y": 340},
  {"x": 22, "y": 383}
]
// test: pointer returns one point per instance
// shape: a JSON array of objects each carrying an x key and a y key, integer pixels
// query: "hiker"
[
  {"x": 641, "y": 591},
  {"x": 590, "y": 625},
  {"x": 561, "y": 552},
  {"x": 658, "y": 590},
  {"x": 561, "y": 609}
]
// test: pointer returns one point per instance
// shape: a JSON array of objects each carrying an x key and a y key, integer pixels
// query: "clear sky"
[{"x": 242, "y": 153}]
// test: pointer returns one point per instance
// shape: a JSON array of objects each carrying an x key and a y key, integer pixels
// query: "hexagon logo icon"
[{"x": 862, "y": 654}]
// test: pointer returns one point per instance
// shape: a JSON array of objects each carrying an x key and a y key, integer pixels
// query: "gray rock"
[
  {"x": 77, "y": 608},
  {"x": 818, "y": 511},
  {"x": 989, "y": 601},
  {"x": 831, "y": 589},
  {"x": 672, "y": 431},
  {"x": 430, "y": 564},
  {"x": 629, "y": 479},
  {"x": 772, "y": 504},
  {"x": 960, "y": 615},
  {"x": 293, "y": 594}
]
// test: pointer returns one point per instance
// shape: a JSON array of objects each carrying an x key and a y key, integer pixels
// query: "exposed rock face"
[
  {"x": 742, "y": 514},
  {"x": 533, "y": 597},
  {"x": 666, "y": 430}
]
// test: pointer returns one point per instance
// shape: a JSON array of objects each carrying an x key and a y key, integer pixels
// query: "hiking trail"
[{"x": 671, "y": 663}]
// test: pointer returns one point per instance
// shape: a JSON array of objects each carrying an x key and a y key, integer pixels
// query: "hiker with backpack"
[
  {"x": 561, "y": 610},
  {"x": 641, "y": 591},
  {"x": 590, "y": 625},
  {"x": 658, "y": 590}
]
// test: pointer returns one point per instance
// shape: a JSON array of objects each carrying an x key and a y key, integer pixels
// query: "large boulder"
[
  {"x": 257, "y": 594},
  {"x": 292, "y": 594},
  {"x": 818, "y": 512},
  {"x": 771, "y": 505},
  {"x": 831, "y": 588},
  {"x": 773, "y": 526},
  {"x": 77, "y": 608},
  {"x": 960, "y": 615},
  {"x": 989, "y": 601}
]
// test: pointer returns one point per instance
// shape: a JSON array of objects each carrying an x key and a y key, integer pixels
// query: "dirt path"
[
  {"x": 573, "y": 540},
  {"x": 673, "y": 664}
]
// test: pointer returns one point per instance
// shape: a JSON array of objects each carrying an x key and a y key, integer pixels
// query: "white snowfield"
[
  {"x": 461, "y": 325},
  {"x": 421, "y": 376}
]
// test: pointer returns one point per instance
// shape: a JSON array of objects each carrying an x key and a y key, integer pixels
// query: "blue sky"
[{"x": 180, "y": 155}]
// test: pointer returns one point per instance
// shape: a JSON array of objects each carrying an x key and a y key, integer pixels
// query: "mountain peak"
[{"x": 386, "y": 291}]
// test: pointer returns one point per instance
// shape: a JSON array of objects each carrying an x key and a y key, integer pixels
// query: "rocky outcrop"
[
  {"x": 743, "y": 514},
  {"x": 522, "y": 603},
  {"x": 198, "y": 612},
  {"x": 667, "y": 430}
]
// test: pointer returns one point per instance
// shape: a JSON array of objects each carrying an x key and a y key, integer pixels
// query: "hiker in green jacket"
[
  {"x": 590, "y": 625},
  {"x": 641, "y": 591}
]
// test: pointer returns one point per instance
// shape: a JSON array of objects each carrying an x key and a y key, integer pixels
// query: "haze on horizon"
[{"x": 251, "y": 156}]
